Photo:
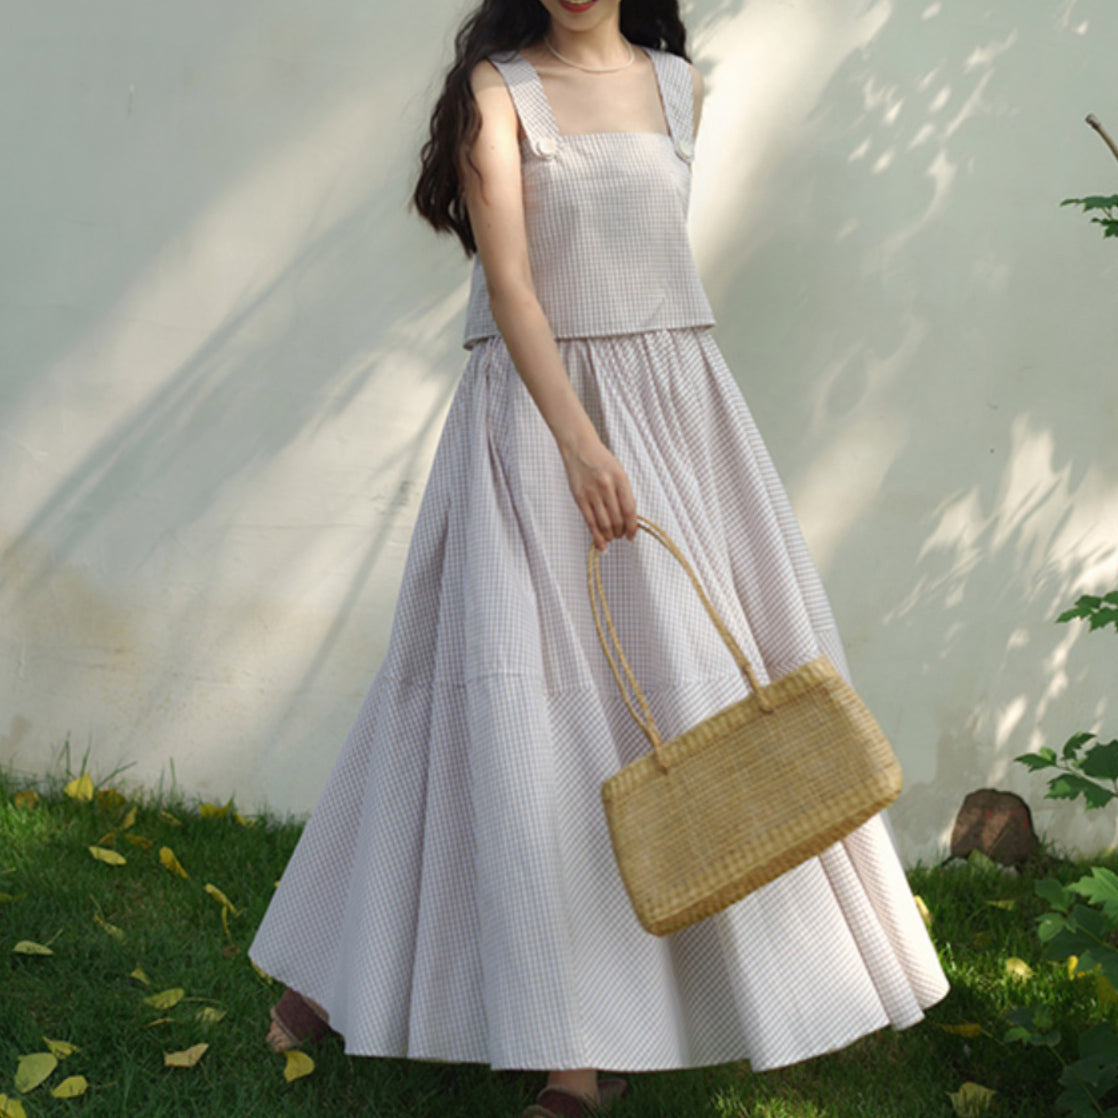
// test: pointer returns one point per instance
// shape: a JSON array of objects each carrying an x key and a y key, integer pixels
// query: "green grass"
[{"x": 173, "y": 929}]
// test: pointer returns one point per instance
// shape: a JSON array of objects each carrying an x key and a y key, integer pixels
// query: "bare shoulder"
[
  {"x": 485, "y": 76},
  {"x": 494, "y": 101}
]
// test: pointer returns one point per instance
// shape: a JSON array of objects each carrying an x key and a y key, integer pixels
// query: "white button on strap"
[
  {"x": 685, "y": 151},
  {"x": 545, "y": 147}
]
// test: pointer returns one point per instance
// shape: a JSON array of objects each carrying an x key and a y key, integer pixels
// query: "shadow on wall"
[
  {"x": 918, "y": 326},
  {"x": 235, "y": 306}
]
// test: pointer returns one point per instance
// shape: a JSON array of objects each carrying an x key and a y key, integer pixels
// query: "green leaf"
[
  {"x": 1100, "y": 611},
  {"x": 1094, "y": 1074},
  {"x": 1101, "y": 761},
  {"x": 1100, "y": 1042},
  {"x": 1067, "y": 786},
  {"x": 1032, "y": 1025},
  {"x": 1076, "y": 742},
  {"x": 1088, "y": 943},
  {"x": 1084, "y": 604},
  {"x": 1094, "y": 922},
  {"x": 1104, "y": 617},
  {"x": 1100, "y": 887},
  {"x": 1055, "y": 892},
  {"x": 1050, "y": 925},
  {"x": 1084, "y": 934},
  {"x": 1045, "y": 759}
]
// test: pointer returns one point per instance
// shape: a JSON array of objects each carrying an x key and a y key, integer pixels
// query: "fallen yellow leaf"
[
  {"x": 129, "y": 819},
  {"x": 971, "y": 1100},
  {"x": 967, "y": 1028},
  {"x": 109, "y": 798},
  {"x": 11, "y": 897},
  {"x": 140, "y": 975},
  {"x": 171, "y": 819},
  {"x": 160, "y": 1021},
  {"x": 27, "y": 798},
  {"x": 70, "y": 1087},
  {"x": 982, "y": 939},
  {"x": 1007, "y": 903},
  {"x": 187, "y": 1058},
  {"x": 30, "y": 947},
  {"x": 297, "y": 1064},
  {"x": 209, "y": 1015},
  {"x": 80, "y": 788},
  {"x": 107, "y": 839},
  {"x": 214, "y": 811},
  {"x": 242, "y": 820},
  {"x": 169, "y": 861},
  {"x": 11, "y": 1108},
  {"x": 104, "y": 854},
  {"x": 165, "y": 998},
  {"x": 112, "y": 929},
  {"x": 33, "y": 1069},
  {"x": 1018, "y": 968},
  {"x": 221, "y": 898},
  {"x": 61, "y": 1048},
  {"x": 922, "y": 908},
  {"x": 140, "y": 840},
  {"x": 225, "y": 922}
]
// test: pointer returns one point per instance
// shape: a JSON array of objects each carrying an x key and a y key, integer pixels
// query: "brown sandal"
[
  {"x": 295, "y": 1017},
  {"x": 560, "y": 1102}
]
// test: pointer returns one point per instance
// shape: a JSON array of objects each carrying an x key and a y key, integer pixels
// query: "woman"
[{"x": 453, "y": 895}]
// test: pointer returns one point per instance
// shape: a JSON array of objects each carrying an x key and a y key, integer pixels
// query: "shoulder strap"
[
  {"x": 678, "y": 94},
  {"x": 532, "y": 105}
]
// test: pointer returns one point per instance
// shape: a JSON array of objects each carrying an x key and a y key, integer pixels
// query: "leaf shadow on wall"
[
  {"x": 171, "y": 489},
  {"x": 901, "y": 303}
]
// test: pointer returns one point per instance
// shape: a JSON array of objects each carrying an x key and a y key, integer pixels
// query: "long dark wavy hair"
[{"x": 496, "y": 26}]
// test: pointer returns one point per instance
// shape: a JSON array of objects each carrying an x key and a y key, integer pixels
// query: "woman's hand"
[{"x": 601, "y": 490}]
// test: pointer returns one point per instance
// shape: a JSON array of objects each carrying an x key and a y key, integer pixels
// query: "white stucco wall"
[{"x": 226, "y": 352}]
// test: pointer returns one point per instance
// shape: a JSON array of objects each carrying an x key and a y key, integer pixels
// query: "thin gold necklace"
[{"x": 592, "y": 69}]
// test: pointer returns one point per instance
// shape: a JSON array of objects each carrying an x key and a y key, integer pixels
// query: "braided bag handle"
[{"x": 600, "y": 608}]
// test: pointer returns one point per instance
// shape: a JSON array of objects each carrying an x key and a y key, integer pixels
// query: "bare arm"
[{"x": 495, "y": 202}]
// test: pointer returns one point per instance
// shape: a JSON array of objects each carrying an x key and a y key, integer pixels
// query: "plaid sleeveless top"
[{"x": 606, "y": 216}]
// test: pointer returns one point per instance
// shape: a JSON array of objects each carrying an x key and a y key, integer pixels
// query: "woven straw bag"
[{"x": 745, "y": 795}]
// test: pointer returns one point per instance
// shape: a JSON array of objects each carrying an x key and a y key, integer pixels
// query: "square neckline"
[{"x": 576, "y": 135}]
